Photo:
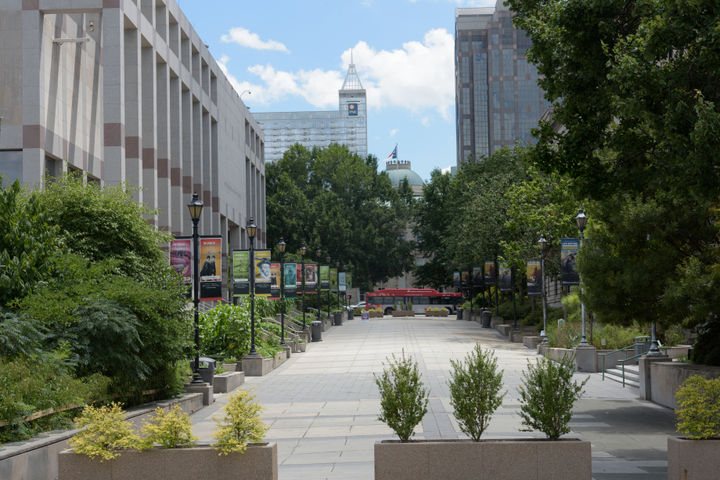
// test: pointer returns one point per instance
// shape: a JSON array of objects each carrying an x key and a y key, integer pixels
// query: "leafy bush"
[
  {"x": 698, "y": 408},
  {"x": 616, "y": 336},
  {"x": 564, "y": 334},
  {"x": 547, "y": 396},
  {"x": 225, "y": 330},
  {"x": 673, "y": 335},
  {"x": 19, "y": 335},
  {"x": 169, "y": 429},
  {"x": 403, "y": 398},
  {"x": 104, "y": 432},
  {"x": 475, "y": 390},
  {"x": 240, "y": 425},
  {"x": 28, "y": 385}
]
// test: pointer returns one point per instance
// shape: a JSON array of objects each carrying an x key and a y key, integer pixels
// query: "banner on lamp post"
[
  {"x": 456, "y": 279},
  {"x": 568, "y": 257},
  {"x": 274, "y": 280},
  {"x": 341, "y": 282},
  {"x": 311, "y": 277},
  {"x": 181, "y": 260},
  {"x": 210, "y": 268},
  {"x": 241, "y": 273},
  {"x": 333, "y": 280},
  {"x": 290, "y": 277},
  {"x": 505, "y": 278},
  {"x": 489, "y": 273},
  {"x": 263, "y": 273},
  {"x": 324, "y": 277},
  {"x": 477, "y": 277},
  {"x": 533, "y": 272}
]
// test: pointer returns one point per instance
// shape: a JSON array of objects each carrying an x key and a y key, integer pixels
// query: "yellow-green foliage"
[
  {"x": 169, "y": 429},
  {"x": 105, "y": 431},
  {"x": 698, "y": 409},
  {"x": 241, "y": 425}
]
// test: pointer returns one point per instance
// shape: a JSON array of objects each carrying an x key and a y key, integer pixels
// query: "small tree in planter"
[
  {"x": 475, "y": 390},
  {"x": 104, "y": 433},
  {"x": 403, "y": 398},
  {"x": 168, "y": 429},
  {"x": 547, "y": 396},
  {"x": 240, "y": 425}
]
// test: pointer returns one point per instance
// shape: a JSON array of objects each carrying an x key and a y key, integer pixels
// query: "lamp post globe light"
[
  {"x": 543, "y": 245},
  {"x": 303, "y": 251},
  {"x": 251, "y": 231},
  {"x": 195, "y": 206},
  {"x": 581, "y": 220},
  {"x": 281, "y": 248},
  {"x": 318, "y": 254}
]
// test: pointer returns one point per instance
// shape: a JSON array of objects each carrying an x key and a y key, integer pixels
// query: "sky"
[{"x": 292, "y": 55}]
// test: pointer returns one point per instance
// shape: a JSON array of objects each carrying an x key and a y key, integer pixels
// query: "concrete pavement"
[{"x": 322, "y": 405}]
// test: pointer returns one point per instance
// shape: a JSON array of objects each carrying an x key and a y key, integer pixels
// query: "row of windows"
[{"x": 415, "y": 300}]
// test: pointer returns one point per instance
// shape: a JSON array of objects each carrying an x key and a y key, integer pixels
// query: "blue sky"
[{"x": 293, "y": 54}]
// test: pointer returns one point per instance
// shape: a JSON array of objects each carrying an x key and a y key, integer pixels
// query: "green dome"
[{"x": 398, "y": 174}]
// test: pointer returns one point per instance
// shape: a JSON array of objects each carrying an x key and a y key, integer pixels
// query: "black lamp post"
[
  {"x": 251, "y": 231},
  {"x": 337, "y": 266},
  {"x": 581, "y": 220},
  {"x": 318, "y": 253},
  {"x": 327, "y": 258},
  {"x": 195, "y": 206},
  {"x": 543, "y": 245},
  {"x": 281, "y": 248},
  {"x": 303, "y": 251}
]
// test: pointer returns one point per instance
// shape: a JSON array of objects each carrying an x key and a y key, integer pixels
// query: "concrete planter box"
[
  {"x": 532, "y": 341},
  {"x": 259, "y": 462},
  {"x": 230, "y": 367},
  {"x": 443, "y": 313},
  {"x": 403, "y": 313},
  {"x": 504, "y": 329},
  {"x": 279, "y": 358},
  {"x": 257, "y": 366},
  {"x": 301, "y": 346},
  {"x": 376, "y": 314},
  {"x": 326, "y": 324},
  {"x": 227, "y": 382},
  {"x": 666, "y": 378},
  {"x": 693, "y": 459},
  {"x": 485, "y": 460}
]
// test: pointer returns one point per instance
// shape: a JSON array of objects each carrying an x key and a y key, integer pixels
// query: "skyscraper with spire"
[{"x": 345, "y": 126}]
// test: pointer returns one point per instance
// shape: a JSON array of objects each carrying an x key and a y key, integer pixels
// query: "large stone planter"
[
  {"x": 227, "y": 382},
  {"x": 693, "y": 459},
  {"x": 375, "y": 314},
  {"x": 485, "y": 460},
  {"x": 403, "y": 313},
  {"x": 258, "y": 462},
  {"x": 257, "y": 365},
  {"x": 438, "y": 313},
  {"x": 301, "y": 346}
]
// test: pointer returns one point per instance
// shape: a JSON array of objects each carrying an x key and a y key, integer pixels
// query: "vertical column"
[
  {"x": 176, "y": 156},
  {"x": 197, "y": 180},
  {"x": 188, "y": 148},
  {"x": 209, "y": 220},
  {"x": 33, "y": 126},
  {"x": 163, "y": 146},
  {"x": 149, "y": 122},
  {"x": 113, "y": 88},
  {"x": 133, "y": 120}
]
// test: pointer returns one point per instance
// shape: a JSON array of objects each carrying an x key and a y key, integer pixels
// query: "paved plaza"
[{"x": 322, "y": 405}]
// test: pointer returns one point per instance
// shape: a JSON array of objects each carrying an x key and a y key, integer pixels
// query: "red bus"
[{"x": 420, "y": 298}]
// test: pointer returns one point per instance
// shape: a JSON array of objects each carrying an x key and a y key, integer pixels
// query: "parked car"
[{"x": 360, "y": 305}]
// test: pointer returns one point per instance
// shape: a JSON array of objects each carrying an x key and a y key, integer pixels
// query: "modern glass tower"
[
  {"x": 497, "y": 98},
  {"x": 347, "y": 125}
]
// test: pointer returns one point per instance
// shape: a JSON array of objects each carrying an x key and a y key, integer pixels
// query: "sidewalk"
[{"x": 322, "y": 405}]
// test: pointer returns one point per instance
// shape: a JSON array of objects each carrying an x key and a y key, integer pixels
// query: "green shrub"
[
  {"x": 169, "y": 429},
  {"x": 240, "y": 425},
  {"x": 698, "y": 410},
  {"x": 673, "y": 335},
  {"x": 564, "y": 334},
  {"x": 403, "y": 398},
  {"x": 19, "y": 335},
  {"x": 616, "y": 336},
  {"x": 225, "y": 330},
  {"x": 104, "y": 432},
  {"x": 29, "y": 385},
  {"x": 547, "y": 396},
  {"x": 475, "y": 390}
]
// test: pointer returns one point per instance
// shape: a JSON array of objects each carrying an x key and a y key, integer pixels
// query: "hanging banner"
[
  {"x": 568, "y": 257},
  {"x": 341, "y": 282},
  {"x": 505, "y": 278},
  {"x": 211, "y": 269},
  {"x": 348, "y": 281},
  {"x": 298, "y": 278},
  {"x": 275, "y": 280},
  {"x": 324, "y": 277},
  {"x": 465, "y": 279},
  {"x": 241, "y": 272},
  {"x": 311, "y": 277},
  {"x": 533, "y": 272},
  {"x": 477, "y": 277},
  {"x": 290, "y": 277},
  {"x": 181, "y": 260},
  {"x": 263, "y": 273},
  {"x": 333, "y": 280},
  {"x": 489, "y": 273},
  {"x": 456, "y": 279}
]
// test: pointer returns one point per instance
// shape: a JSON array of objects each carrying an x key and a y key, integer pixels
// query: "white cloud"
[
  {"x": 246, "y": 38},
  {"x": 419, "y": 77}
]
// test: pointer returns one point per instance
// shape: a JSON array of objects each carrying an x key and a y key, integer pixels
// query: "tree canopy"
[{"x": 332, "y": 199}]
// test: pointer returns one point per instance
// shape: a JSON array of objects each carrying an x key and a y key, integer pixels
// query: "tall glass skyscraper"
[
  {"x": 497, "y": 98},
  {"x": 347, "y": 125}
]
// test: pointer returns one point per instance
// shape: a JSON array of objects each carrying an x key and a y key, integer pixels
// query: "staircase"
[{"x": 632, "y": 375}]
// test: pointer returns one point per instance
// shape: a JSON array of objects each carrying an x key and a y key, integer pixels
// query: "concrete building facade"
[
  {"x": 345, "y": 126},
  {"x": 497, "y": 99},
  {"x": 125, "y": 91}
]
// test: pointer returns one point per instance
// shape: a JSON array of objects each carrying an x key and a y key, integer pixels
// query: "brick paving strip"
[{"x": 322, "y": 405}]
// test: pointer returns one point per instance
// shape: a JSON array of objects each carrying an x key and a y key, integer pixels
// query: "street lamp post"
[
  {"x": 318, "y": 253},
  {"x": 337, "y": 265},
  {"x": 195, "y": 206},
  {"x": 543, "y": 245},
  {"x": 581, "y": 220},
  {"x": 251, "y": 231},
  {"x": 303, "y": 251},
  {"x": 281, "y": 248},
  {"x": 327, "y": 258}
]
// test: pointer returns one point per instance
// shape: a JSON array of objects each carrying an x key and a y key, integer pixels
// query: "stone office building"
[{"x": 126, "y": 91}]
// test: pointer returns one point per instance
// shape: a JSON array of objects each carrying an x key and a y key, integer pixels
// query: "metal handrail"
[
  {"x": 628, "y": 359},
  {"x": 604, "y": 355}
]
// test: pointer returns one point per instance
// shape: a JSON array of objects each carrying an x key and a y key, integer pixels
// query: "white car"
[{"x": 360, "y": 305}]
